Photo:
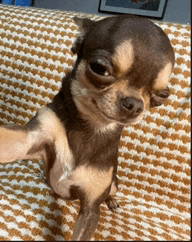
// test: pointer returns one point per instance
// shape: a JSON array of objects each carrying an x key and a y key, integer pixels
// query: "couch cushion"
[{"x": 154, "y": 156}]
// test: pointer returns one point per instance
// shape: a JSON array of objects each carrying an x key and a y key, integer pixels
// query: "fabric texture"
[{"x": 154, "y": 155}]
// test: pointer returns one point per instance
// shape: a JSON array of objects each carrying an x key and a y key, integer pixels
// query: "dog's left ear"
[
  {"x": 85, "y": 25},
  {"x": 159, "y": 97}
]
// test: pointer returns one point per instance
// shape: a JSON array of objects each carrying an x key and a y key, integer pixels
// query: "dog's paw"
[{"x": 112, "y": 203}]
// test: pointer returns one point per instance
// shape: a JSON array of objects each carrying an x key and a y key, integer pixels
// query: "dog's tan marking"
[
  {"x": 50, "y": 124},
  {"x": 124, "y": 57},
  {"x": 125, "y": 89},
  {"x": 108, "y": 128},
  {"x": 82, "y": 79},
  {"x": 145, "y": 97},
  {"x": 54, "y": 130},
  {"x": 83, "y": 100},
  {"x": 92, "y": 181},
  {"x": 121, "y": 86},
  {"x": 50, "y": 131},
  {"x": 162, "y": 79}
]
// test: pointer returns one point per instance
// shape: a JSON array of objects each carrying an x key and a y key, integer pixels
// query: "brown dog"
[{"x": 122, "y": 69}]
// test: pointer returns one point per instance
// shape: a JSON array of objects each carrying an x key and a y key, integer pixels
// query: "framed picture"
[{"x": 150, "y": 8}]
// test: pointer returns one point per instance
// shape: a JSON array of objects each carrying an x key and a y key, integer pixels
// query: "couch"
[{"x": 154, "y": 155}]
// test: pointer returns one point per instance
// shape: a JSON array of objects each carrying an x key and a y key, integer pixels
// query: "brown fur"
[{"x": 123, "y": 57}]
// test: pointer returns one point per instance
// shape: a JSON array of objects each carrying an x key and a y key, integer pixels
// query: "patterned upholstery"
[{"x": 154, "y": 156}]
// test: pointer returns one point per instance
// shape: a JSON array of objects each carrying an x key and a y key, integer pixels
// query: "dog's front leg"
[
  {"x": 92, "y": 186},
  {"x": 87, "y": 222},
  {"x": 38, "y": 139},
  {"x": 16, "y": 141}
]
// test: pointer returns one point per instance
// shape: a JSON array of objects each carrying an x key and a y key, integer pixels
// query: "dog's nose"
[{"x": 133, "y": 106}]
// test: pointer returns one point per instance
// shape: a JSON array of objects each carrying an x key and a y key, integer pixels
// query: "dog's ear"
[
  {"x": 159, "y": 97},
  {"x": 85, "y": 25}
]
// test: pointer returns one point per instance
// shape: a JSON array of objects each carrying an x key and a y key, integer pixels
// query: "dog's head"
[{"x": 123, "y": 67}]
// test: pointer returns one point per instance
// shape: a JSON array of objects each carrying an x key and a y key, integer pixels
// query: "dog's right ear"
[{"x": 85, "y": 25}]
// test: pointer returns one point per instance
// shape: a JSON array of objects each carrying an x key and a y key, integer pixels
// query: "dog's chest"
[
  {"x": 62, "y": 167},
  {"x": 59, "y": 161}
]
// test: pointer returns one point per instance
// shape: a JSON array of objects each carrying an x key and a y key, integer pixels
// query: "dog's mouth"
[
  {"x": 121, "y": 117},
  {"x": 124, "y": 120}
]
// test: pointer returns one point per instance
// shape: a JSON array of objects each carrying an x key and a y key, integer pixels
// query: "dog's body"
[{"x": 123, "y": 67}]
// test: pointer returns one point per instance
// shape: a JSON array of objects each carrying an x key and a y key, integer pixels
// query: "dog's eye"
[
  {"x": 99, "y": 69},
  {"x": 100, "y": 66},
  {"x": 100, "y": 72}
]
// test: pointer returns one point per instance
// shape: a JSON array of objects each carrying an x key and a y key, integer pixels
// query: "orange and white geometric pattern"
[{"x": 154, "y": 155}]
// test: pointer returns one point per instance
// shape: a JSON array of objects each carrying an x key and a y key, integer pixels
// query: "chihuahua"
[{"x": 122, "y": 69}]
